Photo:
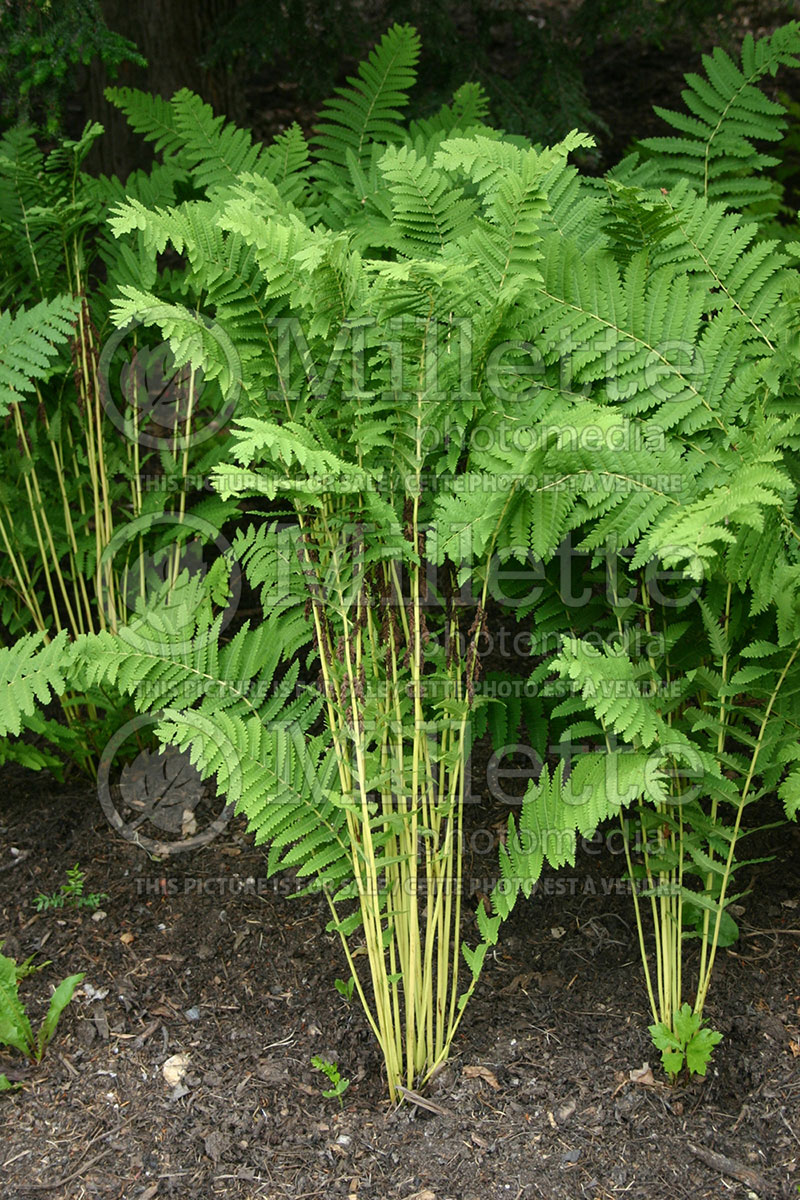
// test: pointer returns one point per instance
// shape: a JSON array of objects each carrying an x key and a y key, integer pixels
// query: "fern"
[
  {"x": 238, "y": 721},
  {"x": 209, "y": 149},
  {"x": 426, "y": 211},
  {"x": 369, "y": 109},
  {"x": 44, "y": 205},
  {"x": 469, "y": 109},
  {"x": 32, "y": 673},
  {"x": 729, "y": 113},
  {"x": 451, "y": 355},
  {"x": 30, "y": 341}
]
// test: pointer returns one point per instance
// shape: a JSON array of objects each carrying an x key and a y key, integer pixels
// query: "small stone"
[
  {"x": 174, "y": 1069},
  {"x": 99, "y": 915}
]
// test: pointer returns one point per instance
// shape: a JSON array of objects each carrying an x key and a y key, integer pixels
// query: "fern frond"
[
  {"x": 694, "y": 534},
  {"x": 614, "y": 689},
  {"x": 716, "y": 152},
  {"x": 148, "y": 115},
  {"x": 723, "y": 254},
  {"x": 505, "y": 247},
  {"x": 192, "y": 340},
  {"x": 789, "y": 793},
  {"x": 31, "y": 674},
  {"x": 212, "y": 150},
  {"x": 426, "y": 210},
  {"x": 29, "y": 343},
  {"x": 468, "y": 111},
  {"x": 369, "y": 109}
]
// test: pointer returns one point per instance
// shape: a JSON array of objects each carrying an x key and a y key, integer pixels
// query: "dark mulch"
[{"x": 192, "y": 959}]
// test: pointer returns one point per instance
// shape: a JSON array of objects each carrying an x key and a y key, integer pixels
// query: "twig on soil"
[
  {"x": 423, "y": 1102},
  {"x": 755, "y": 932},
  {"x": 16, "y": 861},
  {"x": 726, "y": 1166},
  {"x": 57, "y": 1183},
  {"x": 788, "y": 1126}
]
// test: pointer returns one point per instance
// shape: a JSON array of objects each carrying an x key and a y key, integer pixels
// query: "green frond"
[
  {"x": 44, "y": 203},
  {"x": 789, "y": 793},
  {"x": 693, "y": 534},
  {"x": 271, "y": 556},
  {"x": 715, "y": 150},
  {"x": 241, "y": 724},
  {"x": 426, "y": 209},
  {"x": 153, "y": 188},
  {"x": 30, "y": 341},
  {"x": 213, "y": 151},
  {"x": 576, "y": 206},
  {"x": 148, "y": 115},
  {"x": 545, "y": 831},
  {"x": 369, "y": 108},
  {"x": 553, "y": 811},
  {"x": 485, "y": 158},
  {"x": 31, "y": 674},
  {"x": 468, "y": 111},
  {"x": 614, "y": 689},
  {"x": 286, "y": 164},
  {"x": 722, "y": 253},
  {"x": 634, "y": 221},
  {"x": 192, "y": 339},
  {"x": 505, "y": 247}
]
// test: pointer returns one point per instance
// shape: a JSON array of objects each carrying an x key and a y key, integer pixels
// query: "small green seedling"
[
  {"x": 15, "y": 1027},
  {"x": 70, "y": 894},
  {"x": 686, "y": 1044},
  {"x": 338, "y": 1085},
  {"x": 345, "y": 989}
]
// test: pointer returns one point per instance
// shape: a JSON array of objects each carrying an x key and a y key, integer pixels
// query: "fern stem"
[
  {"x": 82, "y": 603},
  {"x": 39, "y": 519},
  {"x": 18, "y": 565},
  {"x": 184, "y": 471},
  {"x": 705, "y": 982},
  {"x": 639, "y": 923},
  {"x": 714, "y": 799}
]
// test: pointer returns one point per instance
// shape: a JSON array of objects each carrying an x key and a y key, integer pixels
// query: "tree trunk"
[{"x": 174, "y": 36}]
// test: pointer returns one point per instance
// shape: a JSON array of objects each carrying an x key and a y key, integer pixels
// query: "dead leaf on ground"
[
  {"x": 643, "y": 1075},
  {"x": 519, "y": 981},
  {"x": 426, "y": 1194},
  {"x": 479, "y": 1072},
  {"x": 175, "y": 1068},
  {"x": 215, "y": 1145},
  {"x": 795, "y": 1048}
]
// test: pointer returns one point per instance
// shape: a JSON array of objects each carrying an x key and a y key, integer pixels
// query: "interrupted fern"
[{"x": 715, "y": 150}]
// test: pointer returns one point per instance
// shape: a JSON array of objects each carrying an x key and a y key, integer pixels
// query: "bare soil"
[{"x": 200, "y": 954}]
